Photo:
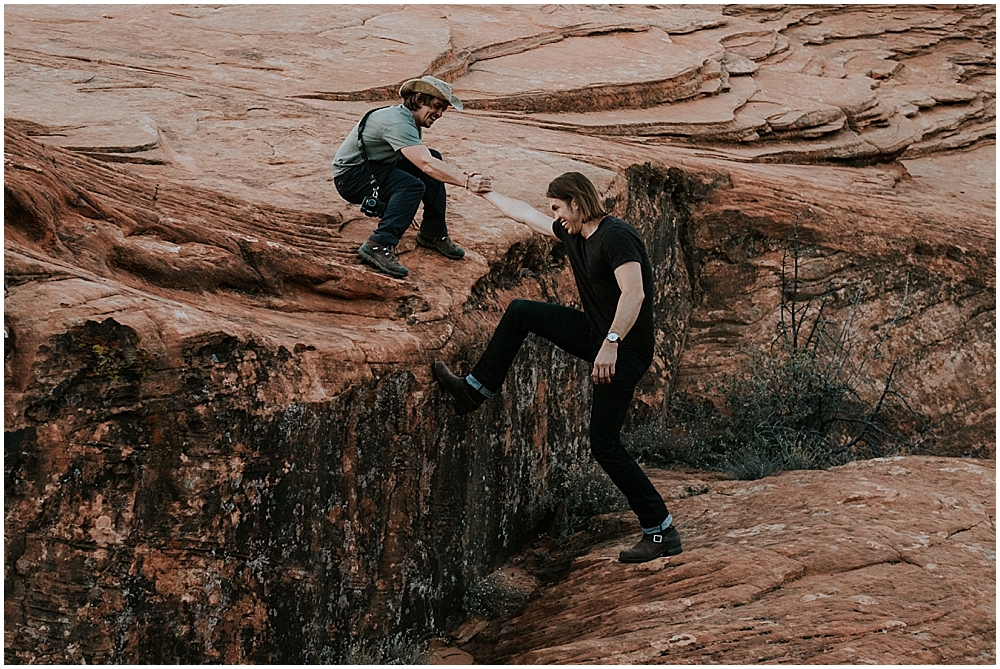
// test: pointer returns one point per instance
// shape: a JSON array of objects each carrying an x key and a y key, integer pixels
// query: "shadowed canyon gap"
[{"x": 222, "y": 439}]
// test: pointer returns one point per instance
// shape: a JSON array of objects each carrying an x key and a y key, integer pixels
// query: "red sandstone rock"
[
  {"x": 875, "y": 562},
  {"x": 221, "y": 433}
]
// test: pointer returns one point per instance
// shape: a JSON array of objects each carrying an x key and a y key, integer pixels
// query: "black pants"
[
  {"x": 569, "y": 330},
  {"x": 405, "y": 186}
]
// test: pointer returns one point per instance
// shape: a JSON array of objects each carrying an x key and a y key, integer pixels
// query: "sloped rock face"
[
  {"x": 209, "y": 494},
  {"x": 723, "y": 259},
  {"x": 868, "y": 563},
  {"x": 222, "y": 439}
]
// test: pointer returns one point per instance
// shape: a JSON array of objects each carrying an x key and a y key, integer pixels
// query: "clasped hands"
[{"x": 478, "y": 183}]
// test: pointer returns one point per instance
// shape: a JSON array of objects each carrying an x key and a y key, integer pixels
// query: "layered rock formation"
[
  {"x": 868, "y": 563},
  {"x": 222, "y": 441}
]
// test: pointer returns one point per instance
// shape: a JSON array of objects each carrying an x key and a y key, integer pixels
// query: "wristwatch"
[{"x": 613, "y": 338}]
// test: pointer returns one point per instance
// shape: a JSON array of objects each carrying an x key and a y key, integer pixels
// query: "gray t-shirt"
[{"x": 386, "y": 132}]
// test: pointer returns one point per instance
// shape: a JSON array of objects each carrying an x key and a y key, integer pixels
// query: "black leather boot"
[
  {"x": 465, "y": 398},
  {"x": 442, "y": 245},
  {"x": 652, "y": 546}
]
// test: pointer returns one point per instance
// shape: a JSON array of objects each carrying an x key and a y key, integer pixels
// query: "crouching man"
[
  {"x": 406, "y": 173},
  {"x": 614, "y": 332}
]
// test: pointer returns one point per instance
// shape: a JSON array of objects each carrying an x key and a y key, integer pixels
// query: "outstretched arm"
[
  {"x": 522, "y": 212},
  {"x": 421, "y": 157}
]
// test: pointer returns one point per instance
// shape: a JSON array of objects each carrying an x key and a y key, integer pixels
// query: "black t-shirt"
[{"x": 594, "y": 262}]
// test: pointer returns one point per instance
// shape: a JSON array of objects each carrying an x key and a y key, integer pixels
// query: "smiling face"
[
  {"x": 425, "y": 115},
  {"x": 567, "y": 214}
]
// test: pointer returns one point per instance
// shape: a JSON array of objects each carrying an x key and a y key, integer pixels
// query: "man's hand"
[
  {"x": 604, "y": 363},
  {"x": 480, "y": 183}
]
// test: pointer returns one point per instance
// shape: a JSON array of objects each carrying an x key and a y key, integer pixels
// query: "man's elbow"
[
  {"x": 636, "y": 294},
  {"x": 422, "y": 160},
  {"x": 423, "y": 164}
]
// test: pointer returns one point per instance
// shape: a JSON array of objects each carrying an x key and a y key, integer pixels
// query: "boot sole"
[
  {"x": 669, "y": 552},
  {"x": 371, "y": 260}
]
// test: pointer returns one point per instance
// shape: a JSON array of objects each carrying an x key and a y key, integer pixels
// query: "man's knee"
[
  {"x": 519, "y": 310},
  {"x": 606, "y": 421},
  {"x": 518, "y": 306},
  {"x": 411, "y": 187},
  {"x": 517, "y": 316},
  {"x": 605, "y": 448}
]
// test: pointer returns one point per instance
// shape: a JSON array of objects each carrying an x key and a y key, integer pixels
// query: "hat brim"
[{"x": 421, "y": 86}]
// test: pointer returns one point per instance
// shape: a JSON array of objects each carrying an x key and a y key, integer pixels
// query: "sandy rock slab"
[{"x": 883, "y": 561}]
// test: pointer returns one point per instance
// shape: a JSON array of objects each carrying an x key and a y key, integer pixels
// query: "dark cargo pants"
[{"x": 406, "y": 186}]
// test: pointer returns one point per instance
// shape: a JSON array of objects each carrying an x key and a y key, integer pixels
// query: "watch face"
[{"x": 613, "y": 338}]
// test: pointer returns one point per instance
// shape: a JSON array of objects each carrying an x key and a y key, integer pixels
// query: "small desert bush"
[
  {"x": 493, "y": 597},
  {"x": 578, "y": 491},
  {"x": 789, "y": 410},
  {"x": 395, "y": 649},
  {"x": 811, "y": 400}
]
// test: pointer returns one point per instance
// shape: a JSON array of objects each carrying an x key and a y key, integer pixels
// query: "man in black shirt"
[{"x": 614, "y": 332}]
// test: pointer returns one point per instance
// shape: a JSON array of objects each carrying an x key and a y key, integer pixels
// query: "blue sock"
[
  {"x": 662, "y": 527},
  {"x": 474, "y": 382}
]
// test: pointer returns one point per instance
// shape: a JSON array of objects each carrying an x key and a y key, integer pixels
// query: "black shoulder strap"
[{"x": 361, "y": 146}]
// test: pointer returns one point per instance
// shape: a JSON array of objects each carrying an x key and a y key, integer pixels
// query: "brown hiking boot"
[
  {"x": 382, "y": 257},
  {"x": 464, "y": 397},
  {"x": 442, "y": 245},
  {"x": 652, "y": 546}
]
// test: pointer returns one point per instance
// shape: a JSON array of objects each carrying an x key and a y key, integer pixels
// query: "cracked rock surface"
[
  {"x": 223, "y": 442},
  {"x": 868, "y": 563}
]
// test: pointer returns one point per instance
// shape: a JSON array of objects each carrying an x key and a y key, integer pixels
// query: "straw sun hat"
[{"x": 431, "y": 86}]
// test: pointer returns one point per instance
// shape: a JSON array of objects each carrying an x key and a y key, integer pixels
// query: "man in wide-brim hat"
[{"x": 406, "y": 172}]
